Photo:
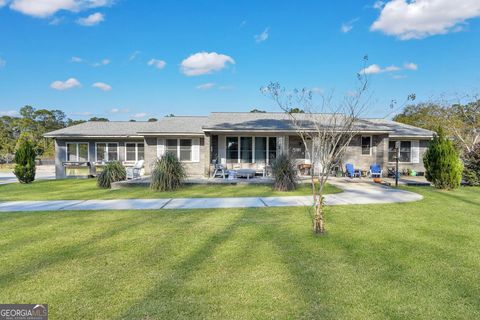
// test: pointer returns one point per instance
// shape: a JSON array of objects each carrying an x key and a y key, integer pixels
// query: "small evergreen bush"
[
  {"x": 471, "y": 161},
  {"x": 284, "y": 174},
  {"x": 112, "y": 172},
  {"x": 442, "y": 163},
  {"x": 168, "y": 173},
  {"x": 25, "y": 162}
]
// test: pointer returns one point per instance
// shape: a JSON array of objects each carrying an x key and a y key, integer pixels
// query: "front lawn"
[
  {"x": 416, "y": 260},
  {"x": 84, "y": 189}
]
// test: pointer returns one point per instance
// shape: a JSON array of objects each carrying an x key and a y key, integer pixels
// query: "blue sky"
[{"x": 151, "y": 58}]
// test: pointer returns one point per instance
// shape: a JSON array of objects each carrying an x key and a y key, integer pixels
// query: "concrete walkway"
[{"x": 354, "y": 193}]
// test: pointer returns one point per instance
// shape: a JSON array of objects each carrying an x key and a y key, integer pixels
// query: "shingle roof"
[
  {"x": 228, "y": 121},
  {"x": 98, "y": 128}
]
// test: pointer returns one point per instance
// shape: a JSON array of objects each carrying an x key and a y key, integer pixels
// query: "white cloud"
[
  {"x": 104, "y": 62},
  {"x": 102, "y": 86},
  {"x": 262, "y": 36},
  {"x": 117, "y": 110},
  {"x": 91, "y": 20},
  {"x": 139, "y": 115},
  {"x": 348, "y": 26},
  {"x": 226, "y": 88},
  {"x": 3, "y": 63},
  {"x": 410, "y": 66},
  {"x": 56, "y": 21},
  {"x": 159, "y": 64},
  {"x": 378, "y": 4},
  {"x": 47, "y": 8},
  {"x": 375, "y": 68},
  {"x": 65, "y": 85},
  {"x": 9, "y": 113},
  {"x": 206, "y": 86},
  {"x": 76, "y": 60},
  {"x": 317, "y": 90},
  {"x": 2, "y": 3},
  {"x": 134, "y": 55},
  {"x": 410, "y": 19},
  {"x": 205, "y": 63}
]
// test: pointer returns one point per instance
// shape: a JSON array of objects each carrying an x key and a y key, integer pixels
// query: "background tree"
[
  {"x": 257, "y": 111},
  {"x": 443, "y": 167},
  {"x": 152, "y": 120},
  {"x": 325, "y": 138},
  {"x": 98, "y": 119},
  {"x": 25, "y": 162},
  {"x": 471, "y": 171}
]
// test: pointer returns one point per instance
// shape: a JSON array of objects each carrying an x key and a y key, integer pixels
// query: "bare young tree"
[{"x": 326, "y": 130}]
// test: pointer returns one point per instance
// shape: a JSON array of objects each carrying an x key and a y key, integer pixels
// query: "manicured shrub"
[
  {"x": 168, "y": 173},
  {"x": 112, "y": 172},
  {"x": 471, "y": 161},
  {"x": 284, "y": 174},
  {"x": 443, "y": 167},
  {"x": 25, "y": 162}
]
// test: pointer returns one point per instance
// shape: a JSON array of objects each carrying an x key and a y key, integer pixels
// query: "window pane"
[
  {"x": 391, "y": 151},
  {"x": 246, "y": 149},
  {"x": 72, "y": 152},
  {"x": 83, "y": 152},
  {"x": 112, "y": 152},
  {"x": 171, "y": 146},
  {"x": 101, "y": 152},
  {"x": 405, "y": 151},
  {"x": 232, "y": 149},
  {"x": 260, "y": 150},
  {"x": 130, "y": 151},
  {"x": 272, "y": 149},
  {"x": 366, "y": 145},
  {"x": 141, "y": 151},
  {"x": 185, "y": 150}
]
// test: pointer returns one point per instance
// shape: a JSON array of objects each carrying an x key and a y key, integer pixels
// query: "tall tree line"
[{"x": 31, "y": 125}]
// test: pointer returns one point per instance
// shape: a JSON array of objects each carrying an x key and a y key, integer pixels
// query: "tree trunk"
[{"x": 318, "y": 221}]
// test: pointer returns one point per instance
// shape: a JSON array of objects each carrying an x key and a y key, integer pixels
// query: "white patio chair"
[
  {"x": 219, "y": 169},
  {"x": 134, "y": 172}
]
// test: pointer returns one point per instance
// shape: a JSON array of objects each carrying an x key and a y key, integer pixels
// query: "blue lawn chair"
[
  {"x": 351, "y": 172},
  {"x": 376, "y": 171}
]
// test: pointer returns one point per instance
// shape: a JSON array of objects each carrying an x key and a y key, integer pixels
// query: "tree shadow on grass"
[
  {"x": 172, "y": 284},
  {"x": 64, "y": 253}
]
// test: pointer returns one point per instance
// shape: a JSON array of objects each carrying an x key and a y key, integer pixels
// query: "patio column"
[{"x": 207, "y": 154}]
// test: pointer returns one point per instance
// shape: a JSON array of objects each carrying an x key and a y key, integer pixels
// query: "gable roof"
[{"x": 229, "y": 122}]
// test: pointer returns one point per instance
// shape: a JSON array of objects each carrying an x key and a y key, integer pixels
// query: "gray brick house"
[{"x": 238, "y": 140}]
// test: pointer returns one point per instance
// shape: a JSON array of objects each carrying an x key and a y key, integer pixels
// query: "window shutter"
[
  {"x": 160, "y": 147},
  {"x": 195, "y": 150},
  {"x": 415, "y": 151}
]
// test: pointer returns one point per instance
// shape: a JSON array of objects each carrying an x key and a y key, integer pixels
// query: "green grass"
[
  {"x": 398, "y": 261},
  {"x": 84, "y": 189}
]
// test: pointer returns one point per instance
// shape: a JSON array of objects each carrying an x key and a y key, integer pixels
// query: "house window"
[
  {"x": 185, "y": 150},
  {"x": 181, "y": 148},
  {"x": 232, "y": 149},
  {"x": 134, "y": 151},
  {"x": 246, "y": 149},
  {"x": 366, "y": 145},
  {"x": 405, "y": 151},
  {"x": 260, "y": 150},
  {"x": 251, "y": 149},
  {"x": 106, "y": 151},
  {"x": 272, "y": 149},
  {"x": 77, "y": 151}
]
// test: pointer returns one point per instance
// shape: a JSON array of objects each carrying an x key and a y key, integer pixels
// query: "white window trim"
[
  {"x": 239, "y": 157},
  {"x": 77, "y": 150},
  {"x": 370, "y": 149},
  {"x": 106, "y": 151},
  {"x": 178, "y": 148},
  {"x": 397, "y": 145},
  {"x": 136, "y": 151}
]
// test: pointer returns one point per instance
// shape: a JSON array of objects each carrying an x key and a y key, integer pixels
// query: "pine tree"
[
  {"x": 25, "y": 162},
  {"x": 442, "y": 163}
]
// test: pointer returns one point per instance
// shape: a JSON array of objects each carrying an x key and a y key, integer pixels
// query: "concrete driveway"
[
  {"x": 42, "y": 173},
  {"x": 354, "y": 193}
]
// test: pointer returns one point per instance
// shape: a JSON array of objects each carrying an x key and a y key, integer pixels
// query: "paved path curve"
[{"x": 353, "y": 193}]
